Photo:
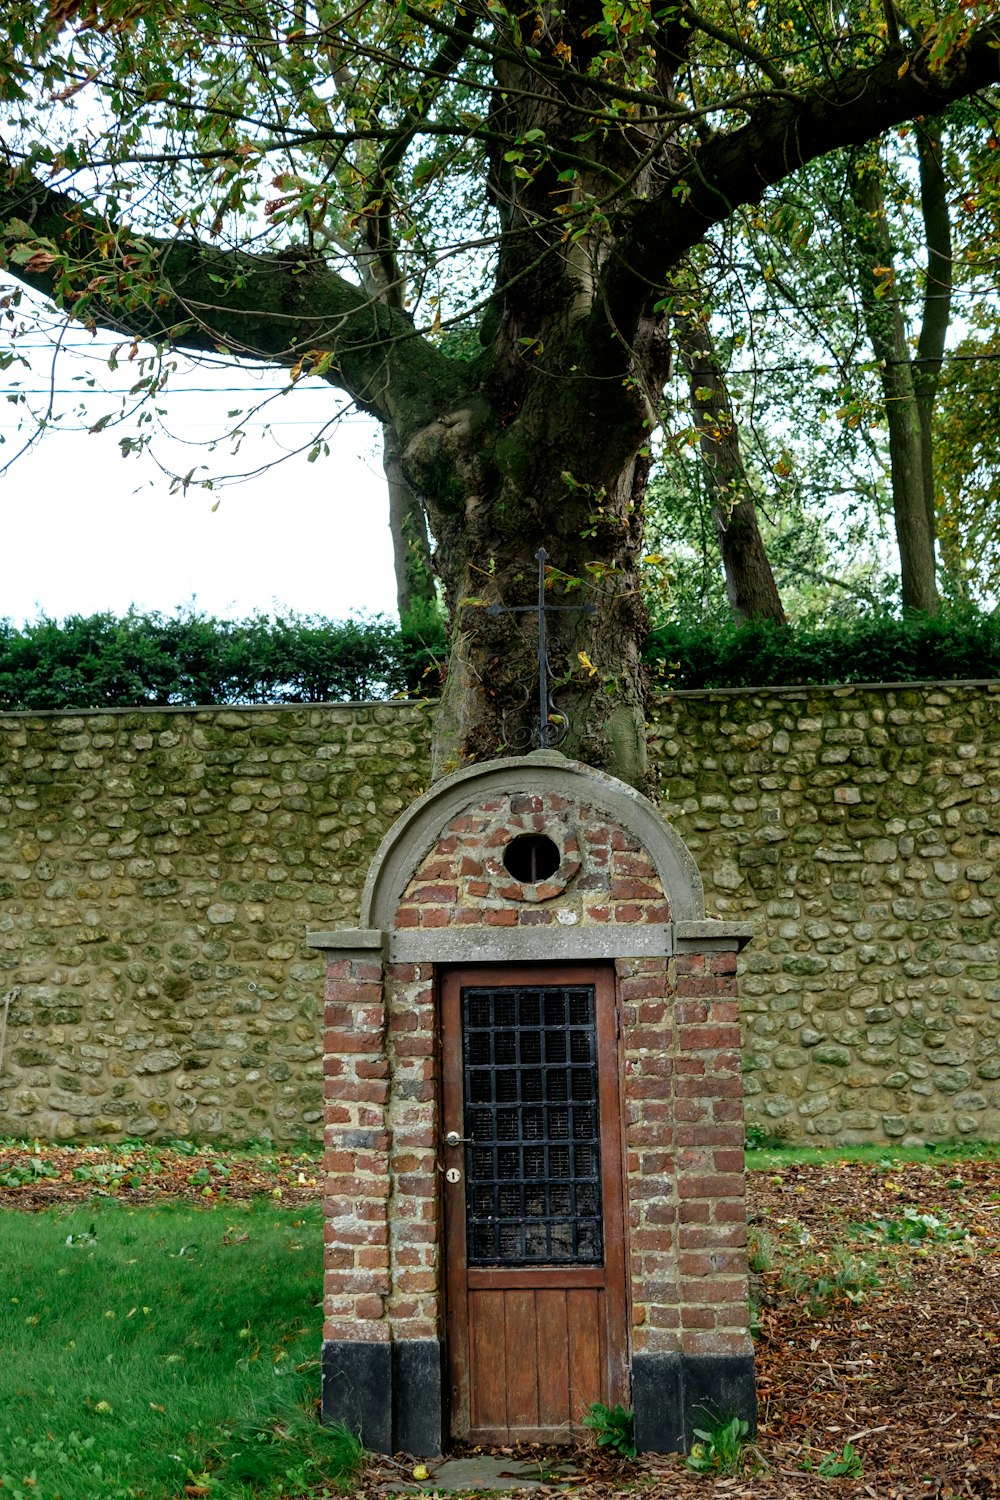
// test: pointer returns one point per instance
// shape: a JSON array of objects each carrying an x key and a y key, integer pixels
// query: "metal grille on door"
[{"x": 533, "y": 1154}]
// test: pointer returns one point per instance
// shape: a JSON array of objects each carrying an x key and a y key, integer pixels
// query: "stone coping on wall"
[
  {"x": 992, "y": 684},
  {"x": 659, "y": 695},
  {"x": 352, "y": 704}
]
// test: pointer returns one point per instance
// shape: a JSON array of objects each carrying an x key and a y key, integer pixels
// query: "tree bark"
[
  {"x": 519, "y": 493},
  {"x": 887, "y": 332},
  {"x": 411, "y": 548},
  {"x": 750, "y": 586},
  {"x": 937, "y": 298}
]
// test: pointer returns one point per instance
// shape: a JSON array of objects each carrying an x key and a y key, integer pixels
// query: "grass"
[
  {"x": 760, "y": 1249},
  {"x": 613, "y": 1428},
  {"x": 843, "y": 1465},
  {"x": 773, "y": 1157},
  {"x": 160, "y": 1351},
  {"x": 912, "y": 1227},
  {"x": 821, "y": 1281}
]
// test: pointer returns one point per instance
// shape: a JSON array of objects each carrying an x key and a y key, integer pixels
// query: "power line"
[
  {"x": 815, "y": 367},
  {"x": 201, "y": 390}
]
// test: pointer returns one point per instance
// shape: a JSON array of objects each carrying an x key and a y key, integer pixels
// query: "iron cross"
[{"x": 549, "y": 733}]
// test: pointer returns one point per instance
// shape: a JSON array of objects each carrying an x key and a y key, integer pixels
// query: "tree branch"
[
  {"x": 937, "y": 238},
  {"x": 380, "y": 233},
  {"x": 288, "y": 308},
  {"x": 782, "y": 135},
  {"x": 936, "y": 317},
  {"x": 737, "y": 46}
]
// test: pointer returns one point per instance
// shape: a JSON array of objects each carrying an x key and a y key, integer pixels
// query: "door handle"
[{"x": 454, "y": 1139}]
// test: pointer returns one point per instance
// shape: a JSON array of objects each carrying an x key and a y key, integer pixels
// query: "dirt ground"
[{"x": 878, "y": 1311}]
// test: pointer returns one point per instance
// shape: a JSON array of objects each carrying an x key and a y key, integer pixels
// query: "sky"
[{"x": 86, "y": 530}]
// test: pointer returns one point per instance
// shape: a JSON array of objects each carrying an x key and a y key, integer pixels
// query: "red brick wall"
[
  {"x": 414, "y": 1202},
  {"x": 356, "y": 1138},
  {"x": 685, "y": 1191},
  {"x": 604, "y": 875}
]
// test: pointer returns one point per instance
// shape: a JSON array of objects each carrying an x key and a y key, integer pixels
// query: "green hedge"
[
  {"x": 950, "y": 647},
  {"x": 99, "y": 661}
]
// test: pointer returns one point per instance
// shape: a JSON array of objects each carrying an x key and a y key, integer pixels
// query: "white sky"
[{"x": 85, "y": 529}]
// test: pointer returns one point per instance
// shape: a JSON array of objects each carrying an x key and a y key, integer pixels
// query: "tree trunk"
[
  {"x": 503, "y": 491},
  {"x": 750, "y": 586},
  {"x": 937, "y": 298},
  {"x": 551, "y": 450},
  {"x": 411, "y": 549},
  {"x": 886, "y": 329}
]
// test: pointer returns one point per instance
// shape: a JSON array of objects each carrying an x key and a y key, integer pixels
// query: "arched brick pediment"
[{"x": 541, "y": 849}]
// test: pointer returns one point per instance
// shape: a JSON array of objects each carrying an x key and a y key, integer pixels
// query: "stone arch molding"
[{"x": 416, "y": 832}]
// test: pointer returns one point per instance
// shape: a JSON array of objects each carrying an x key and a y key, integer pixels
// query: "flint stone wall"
[
  {"x": 159, "y": 870},
  {"x": 859, "y": 829}
]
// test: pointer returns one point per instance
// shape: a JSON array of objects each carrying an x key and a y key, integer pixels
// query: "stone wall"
[
  {"x": 859, "y": 828},
  {"x": 159, "y": 870},
  {"x": 158, "y": 873}
]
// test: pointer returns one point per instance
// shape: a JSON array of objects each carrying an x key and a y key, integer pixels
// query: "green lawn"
[
  {"x": 149, "y": 1351},
  {"x": 773, "y": 1158}
]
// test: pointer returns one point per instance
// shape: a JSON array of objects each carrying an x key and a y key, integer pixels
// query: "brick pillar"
[
  {"x": 356, "y": 1333},
  {"x": 685, "y": 1194},
  {"x": 382, "y": 1349},
  {"x": 415, "y": 1303}
]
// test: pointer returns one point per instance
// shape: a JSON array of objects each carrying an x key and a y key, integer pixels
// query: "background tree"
[
  {"x": 862, "y": 259},
  {"x": 411, "y": 543},
  {"x": 967, "y": 413},
  {"x": 968, "y": 495},
  {"x": 331, "y": 190},
  {"x": 750, "y": 585},
  {"x": 909, "y": 383}
]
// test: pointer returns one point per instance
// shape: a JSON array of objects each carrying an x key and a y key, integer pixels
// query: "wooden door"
[{"x": 535, "y": 1246}]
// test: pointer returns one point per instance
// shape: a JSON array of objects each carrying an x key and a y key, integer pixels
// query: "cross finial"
[{"x": 551, "y": 727}]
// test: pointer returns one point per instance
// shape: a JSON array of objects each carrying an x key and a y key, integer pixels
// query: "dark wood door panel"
[
  {"x": 532, "y": 1344},
  {"x": 538, "y": 1360},
  {"x": 589, "y": 1360},
  {"x": 487, "y": 1375},
  {"x": 553, "y": 1357}
]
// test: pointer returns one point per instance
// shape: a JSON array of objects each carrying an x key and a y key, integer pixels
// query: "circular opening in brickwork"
[{"x": 531, "y": 857}]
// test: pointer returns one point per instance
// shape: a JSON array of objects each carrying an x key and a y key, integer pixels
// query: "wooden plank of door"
[
  {"x": 488, "y": 1359},
  {"x": 522, "y": 1359},
  {"x": 586, "y": 1357},
  {"x": 553, "y": 1359}
]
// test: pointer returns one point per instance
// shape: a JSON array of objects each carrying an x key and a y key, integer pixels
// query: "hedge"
[
  {"x": 952, "y": 646},
  {"x": 101, "y": 661}
]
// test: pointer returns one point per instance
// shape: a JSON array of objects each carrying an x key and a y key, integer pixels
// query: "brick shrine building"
[{"x": 534, "y": 1124}]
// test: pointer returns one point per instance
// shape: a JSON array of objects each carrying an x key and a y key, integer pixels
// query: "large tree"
[
  {"x": 909, "y": 384},
  {"x": 339, "y": 190}
]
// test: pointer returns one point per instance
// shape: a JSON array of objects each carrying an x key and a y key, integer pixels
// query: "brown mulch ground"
[
  {"x": 37, "y": 1176},
  {"x": 906, "y": 1369}
]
